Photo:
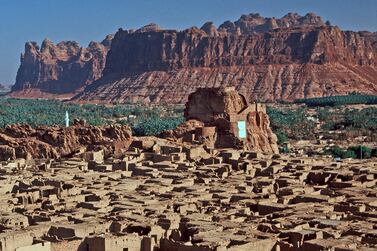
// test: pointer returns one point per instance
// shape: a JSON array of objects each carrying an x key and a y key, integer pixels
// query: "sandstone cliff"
[
  {"x": 265, "y": 59},
  {"x": 61, "y": 69}
]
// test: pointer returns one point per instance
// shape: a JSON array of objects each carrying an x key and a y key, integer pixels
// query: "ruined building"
[{"x": 222, "y": 117}]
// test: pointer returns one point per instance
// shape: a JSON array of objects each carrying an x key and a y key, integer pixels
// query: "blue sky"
[{"x": 86, "y": 20}]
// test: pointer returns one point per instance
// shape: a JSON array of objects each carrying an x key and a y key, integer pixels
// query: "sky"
[{"x": 88, "y": 20}]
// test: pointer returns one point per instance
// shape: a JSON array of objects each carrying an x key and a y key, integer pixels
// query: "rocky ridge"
[
  {"x": 59, "y": 69},
  {"x": 266, "y": 59}
]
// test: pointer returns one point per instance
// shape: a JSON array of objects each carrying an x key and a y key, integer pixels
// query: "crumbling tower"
[{"x": 232, "y": 122}]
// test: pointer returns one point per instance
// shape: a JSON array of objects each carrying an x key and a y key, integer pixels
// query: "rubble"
[
  {"x": 163, "y": 198},
  {"x": 23, "y": 141},
  {"x": 209, "y": 185}
]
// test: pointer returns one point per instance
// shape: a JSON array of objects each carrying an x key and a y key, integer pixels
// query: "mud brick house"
[{"x": 230, "y": 121}]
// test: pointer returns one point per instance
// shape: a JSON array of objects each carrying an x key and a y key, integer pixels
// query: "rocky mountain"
[
  {"x": 264, "y": 58},
  {"x": 248, "y": 24},
  {"x": 61, "y": 69}
]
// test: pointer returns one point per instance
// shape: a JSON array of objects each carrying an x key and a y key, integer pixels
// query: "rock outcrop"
[
  {"x": 22, "y": 141},
  {"x": 264, "y": 58},
  {"x": 253, "y": 22},
  {"x": 222, "y": 118},
  {"x": 267, "y": 59},
  {"x": 61, "y": 69}
]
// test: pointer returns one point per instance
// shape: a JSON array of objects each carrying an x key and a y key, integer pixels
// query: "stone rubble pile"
[{"x": 177, "y": 198}]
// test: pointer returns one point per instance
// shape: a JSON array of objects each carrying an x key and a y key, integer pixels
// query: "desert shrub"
[
  {"x": 282, "y": 137},
  {"x": 348, "y": 154},
  {"x": 355, "y": 152},
  {"x": 335, "y": 151},
  {"x": 338, "y": 152},
  {"x": 361, "y": 151}
]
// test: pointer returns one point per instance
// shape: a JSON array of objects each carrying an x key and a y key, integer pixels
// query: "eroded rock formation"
[
  {"x": 214, "y": 117},
  {"x": 22, "y": 141},
  {"x": 61, "y": 69},
  {"x": 267, "y": 59},
  {"x": 264, "y": 58}
]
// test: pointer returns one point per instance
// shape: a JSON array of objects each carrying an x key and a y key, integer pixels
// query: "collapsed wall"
[{"x": 23, "y": 141}]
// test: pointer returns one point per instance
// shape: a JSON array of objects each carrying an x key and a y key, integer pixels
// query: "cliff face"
[
  {"x": 259, "y": 82},
  {"x": 64, "y": 68},
  {"x": 242, "y": 43},
  {"x": 265, "y": 59}
]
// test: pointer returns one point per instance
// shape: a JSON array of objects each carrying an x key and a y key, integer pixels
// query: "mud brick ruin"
[
  {"x": 224, "y": 119},
  {"x": 175, "y": 194}
]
